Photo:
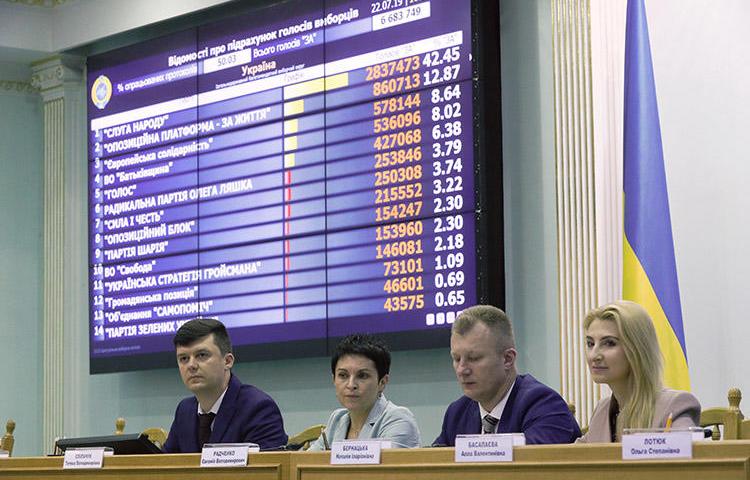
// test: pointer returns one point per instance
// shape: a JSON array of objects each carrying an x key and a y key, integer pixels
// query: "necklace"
[{"x": 354, "y": 432}]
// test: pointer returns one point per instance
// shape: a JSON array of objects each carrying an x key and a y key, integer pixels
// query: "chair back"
[
  {"x": 572, "y": 408},
  {"x": 7, "y": 441},
  {"x": 303, "y": 439},
  {"x": 729, "y": 417},
  {"x": 744, "y": 429},
  {"x": 119, "y": 426},
  {"x": 157, "y": 435}
]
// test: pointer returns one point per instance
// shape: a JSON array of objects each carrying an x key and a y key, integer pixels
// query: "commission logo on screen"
[{"x": 101, "y": 92}]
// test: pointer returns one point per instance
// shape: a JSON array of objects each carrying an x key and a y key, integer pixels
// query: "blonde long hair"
[{"x": 638, "y": 337}]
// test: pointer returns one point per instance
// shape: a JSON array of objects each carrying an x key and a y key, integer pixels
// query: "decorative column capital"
[
  {"x": 52, "y": 75},
  {"x": 16, "y": 87}
]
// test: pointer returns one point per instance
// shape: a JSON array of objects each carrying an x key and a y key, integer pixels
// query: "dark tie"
[
  {"x": 489, "y": 423},
  {"x": 204, "y": 427}
]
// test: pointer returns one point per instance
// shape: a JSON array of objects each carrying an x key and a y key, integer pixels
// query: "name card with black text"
[
  {"x": 77, "y": 458},
  {"x": 657, "y": 445},
  {"x": 486, "y": 448},
  {"x": 226, "y": 454},
  {"x": 356, "y": 452}
]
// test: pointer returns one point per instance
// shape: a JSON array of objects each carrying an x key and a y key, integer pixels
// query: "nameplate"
[
  {"x": 496, "y": 447},
  {"x": 657, "y": 445},
  {"x": 226, "y": 454},
  {"x": 356, "y": 452},
  {"x": 76, "y": 458},
  {"x": 4, "y": 454}
]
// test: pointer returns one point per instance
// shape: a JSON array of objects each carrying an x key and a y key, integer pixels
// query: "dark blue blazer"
[
  {"x": 532, "y": 408},
  {"x": 247, "y": 414}
]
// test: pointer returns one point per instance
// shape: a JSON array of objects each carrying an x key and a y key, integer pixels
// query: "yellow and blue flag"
[{"x": 649, "y": 271}]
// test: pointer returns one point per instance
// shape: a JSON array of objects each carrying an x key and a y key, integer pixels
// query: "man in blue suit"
[
  {"x": 223, "y": 410},
  {"x": 496, "y": 398}
]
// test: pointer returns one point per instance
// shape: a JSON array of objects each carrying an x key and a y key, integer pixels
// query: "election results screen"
[{"x": 301, "y": 171}]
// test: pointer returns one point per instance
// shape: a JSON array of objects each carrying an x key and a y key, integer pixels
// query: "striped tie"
[{"x": 489, "y": 423}]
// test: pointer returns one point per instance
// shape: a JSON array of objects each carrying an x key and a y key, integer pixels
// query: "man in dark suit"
[
  {"x": 496, "y": 398},
  {"x": 223, "y": 410}
]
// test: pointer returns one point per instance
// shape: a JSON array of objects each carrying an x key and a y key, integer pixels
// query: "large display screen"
[{"x": 301, "y": 171}]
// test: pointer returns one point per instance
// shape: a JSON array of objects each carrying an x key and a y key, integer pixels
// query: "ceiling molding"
[
  {"x": 13, "y": 86},
  {"x": 38, "y": 3}
]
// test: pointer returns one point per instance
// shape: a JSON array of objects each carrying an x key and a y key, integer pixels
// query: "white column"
[
  {"x": 576, "y": 205},
  {"x": 64, "y": 314},
  {"x": 608, "y": 71},
  {"x": 588, "y": 44}
]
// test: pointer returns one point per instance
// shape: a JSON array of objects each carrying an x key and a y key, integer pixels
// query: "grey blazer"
[
  {"x": 386, "y": 421},
  {"x": 684, "y": 407}
]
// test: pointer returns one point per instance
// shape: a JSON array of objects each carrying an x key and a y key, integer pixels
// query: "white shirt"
[
  {"x": 214, "y": 408},
  {"x": 497, "y": 412}
]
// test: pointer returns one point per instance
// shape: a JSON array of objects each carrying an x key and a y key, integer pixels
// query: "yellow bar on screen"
[
  {"x": 294, "y": 108},
  {"x": 290, "y": 143},
  {"x": 288, "y": 160}
]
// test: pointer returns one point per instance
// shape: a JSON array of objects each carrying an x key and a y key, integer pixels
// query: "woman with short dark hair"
[{"x": 361, "y": 366}]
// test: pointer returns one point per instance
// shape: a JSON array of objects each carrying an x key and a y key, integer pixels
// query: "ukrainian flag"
[{"x": 649, "y": 271}]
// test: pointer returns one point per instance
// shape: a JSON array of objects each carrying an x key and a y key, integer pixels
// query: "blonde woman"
[{"x": 622, "y": 351}]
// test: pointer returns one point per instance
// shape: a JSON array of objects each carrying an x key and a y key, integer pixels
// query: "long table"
[{"x": 711, "y": 460}]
